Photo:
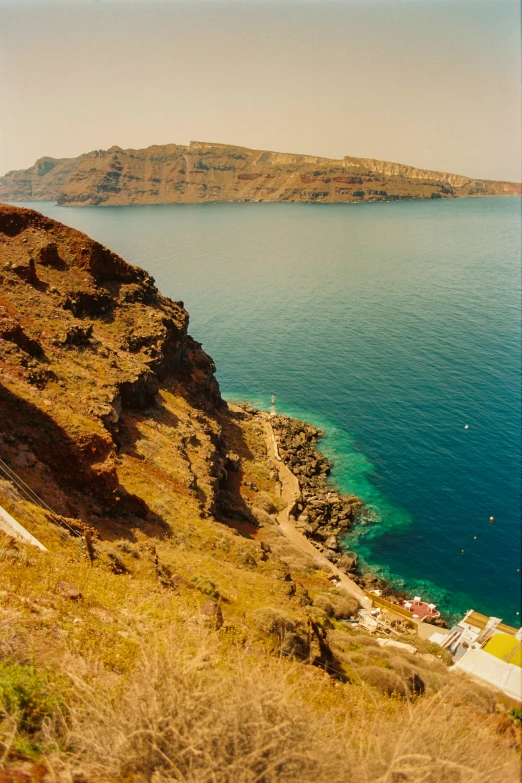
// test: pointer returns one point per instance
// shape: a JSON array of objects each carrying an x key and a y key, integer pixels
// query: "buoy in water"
[
  {"x": 466, "y": 426},
  {"x": 462, "y": 551},
  {"x": 491, "y": 519},
  {"x": 474, "y": 538}
]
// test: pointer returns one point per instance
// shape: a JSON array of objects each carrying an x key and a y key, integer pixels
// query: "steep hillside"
[
  {"x": 170, "y": 631},
  {"x": 87, "y": 342},
  {"x": 219, "y": 172}
]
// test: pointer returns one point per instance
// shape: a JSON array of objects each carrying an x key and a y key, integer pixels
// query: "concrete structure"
[
  {"x": 506, "y": 677},
  {"x": 13, "y": 528},
  {"x": 489, "y": 650}
]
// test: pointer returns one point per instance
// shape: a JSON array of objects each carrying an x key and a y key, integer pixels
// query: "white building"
[{"x": 488, "y": 650}]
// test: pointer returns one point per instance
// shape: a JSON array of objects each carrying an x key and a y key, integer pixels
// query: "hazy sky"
[{"x": 433, "y": 83}]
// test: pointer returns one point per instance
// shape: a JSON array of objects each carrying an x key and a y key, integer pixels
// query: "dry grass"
[
  {"x": 189, "y": 713},
  {"x": 195, "y": 709},
  {"x": 439, "y": 739},
  {"x": 195, "y": 706}
]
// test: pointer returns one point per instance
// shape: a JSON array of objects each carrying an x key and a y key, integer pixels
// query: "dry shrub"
[
  {"x": 297, "y": 563},
  {"x": 205, "y": 586},
  {"x": 481, "y": 698},
  {"x": 385, "y": 680},
  {"x": 336, "y": 606},
  {"x": 364, "y": 656},
  {"x": 273, "y": 622},
  {"x": 263, "y": 501},
  {"x": 188, "y": 715},
  {"x": 345, "y": 607},
  {"x": 357, "y": 659},
  {"x": 325, "y": 604},
  {"x": 414, "y": 674},
  {"x": 289, "y": 639},
  {"x": 411, "y": 675},
  {"x": 11, "y": 640},
  {"x": 434, "y": 674},
  {"x": 128, "y": 548},
  {"x": 376, "y": 652},
  {"x": 360, "y": 640},
  {"x": 263, "y": 517},
  {"x": 319, "y": 617},
  {"x": 16, "y": 552}
]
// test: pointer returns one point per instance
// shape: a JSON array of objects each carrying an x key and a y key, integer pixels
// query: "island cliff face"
[{"x": 204, "y": 172}]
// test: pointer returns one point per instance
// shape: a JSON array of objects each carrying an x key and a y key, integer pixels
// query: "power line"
[{"x": 29, "y": 494}]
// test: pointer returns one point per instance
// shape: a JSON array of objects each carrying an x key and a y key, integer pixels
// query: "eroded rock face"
[
  {"x": 84, "y": 338},
  {"x": 221, "y": 172},
  {"x": 213, "y": 614}
]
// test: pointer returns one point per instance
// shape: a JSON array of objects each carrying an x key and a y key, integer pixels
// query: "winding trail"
[{"x": 290, "y": 492}]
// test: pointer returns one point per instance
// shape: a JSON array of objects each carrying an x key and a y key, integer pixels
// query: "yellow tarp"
[{"x": 501, "y": 644}]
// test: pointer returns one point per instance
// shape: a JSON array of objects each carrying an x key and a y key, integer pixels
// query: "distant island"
[{"x": 205, "y": 172}]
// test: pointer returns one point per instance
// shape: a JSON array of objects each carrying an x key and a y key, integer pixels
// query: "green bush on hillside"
[
  {"x": 29, "y": 698},
  {"x": 28, "y": 694},
  {"x": 205, "y": 586}
]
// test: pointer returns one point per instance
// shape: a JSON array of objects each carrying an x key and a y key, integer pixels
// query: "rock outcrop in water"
[
  {"x": 204, "y": 172},
  {"x": 321, "y": 512}
]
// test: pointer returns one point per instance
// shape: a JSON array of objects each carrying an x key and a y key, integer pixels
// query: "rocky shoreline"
[{"x": 322, "y": 513}]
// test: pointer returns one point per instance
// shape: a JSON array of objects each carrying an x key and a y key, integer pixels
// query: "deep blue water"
[{"x": 392, "y": 326}]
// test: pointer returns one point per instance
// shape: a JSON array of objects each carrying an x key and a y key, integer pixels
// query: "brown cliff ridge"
[
  {"x": 205, "y": 172},
  {"x": 87, "y": 344}
]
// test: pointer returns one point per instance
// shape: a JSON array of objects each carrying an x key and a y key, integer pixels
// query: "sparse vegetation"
[
  {"x": 143, "y": 685},
  {"x": 30, "y": 702}
]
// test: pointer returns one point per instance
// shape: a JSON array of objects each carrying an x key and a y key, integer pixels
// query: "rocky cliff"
[
  {"x": 219, "y": 172},
  {"x": 46, "y": 180},
  {"x": 87, "y": 343}
]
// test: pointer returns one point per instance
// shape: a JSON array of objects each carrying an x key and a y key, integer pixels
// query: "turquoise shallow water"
[{"x": 392, "y": 326}]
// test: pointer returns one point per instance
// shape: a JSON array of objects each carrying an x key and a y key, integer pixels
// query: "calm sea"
[{"x": 392, "y": 326}]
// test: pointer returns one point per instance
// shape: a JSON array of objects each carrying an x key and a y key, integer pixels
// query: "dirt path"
[{"x": 290, "y": 491}]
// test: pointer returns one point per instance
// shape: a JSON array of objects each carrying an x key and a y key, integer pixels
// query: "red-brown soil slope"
[{"x": 87, "y": 346}]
